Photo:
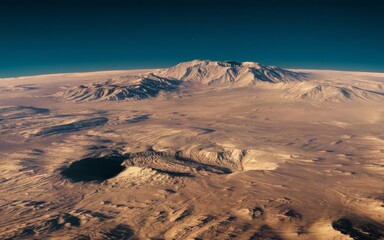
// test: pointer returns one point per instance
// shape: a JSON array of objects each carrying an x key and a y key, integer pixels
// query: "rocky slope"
[
  {"x": 239, "y": 73},
  {"x": 201, "y": 74},
  {"x": 122, "y": 88},
  {"x": 325, "y": 92},
  {"x": 168, "y": 80}
]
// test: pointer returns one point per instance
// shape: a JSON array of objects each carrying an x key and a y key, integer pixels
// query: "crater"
[
  {"x": 173, "y": 165},
  {"x": 359, "y": 230},
  {"x": 94, "y": 169}
]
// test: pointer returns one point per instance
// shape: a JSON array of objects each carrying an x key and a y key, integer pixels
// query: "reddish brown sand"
[{"x": 267, "y": 161}]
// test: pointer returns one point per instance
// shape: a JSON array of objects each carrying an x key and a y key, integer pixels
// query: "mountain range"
[{"x": 203, "y": 74}]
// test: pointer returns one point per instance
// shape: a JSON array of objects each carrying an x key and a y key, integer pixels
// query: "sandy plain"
[{"x": 265, "y": 161}]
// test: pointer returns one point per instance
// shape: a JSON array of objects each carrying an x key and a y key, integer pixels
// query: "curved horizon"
[
  {"x": 93, "y": 70},
  {"x": 43, "y": 37}
]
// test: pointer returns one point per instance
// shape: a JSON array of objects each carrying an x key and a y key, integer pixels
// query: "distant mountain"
[
  {"x": 170, "y": 79},
  {"x": 327, "y": 92},
  {"x": 239, "y": 73},
  {"x": 203, "y": 73},
  {"x": 122, "y": 88}
]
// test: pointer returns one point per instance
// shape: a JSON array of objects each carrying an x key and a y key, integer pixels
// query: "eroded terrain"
[{"x": 270, "y": 160}]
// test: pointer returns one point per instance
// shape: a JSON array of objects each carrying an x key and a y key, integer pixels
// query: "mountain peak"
[
  {"x": 221, "y": 72},
  {"x": 199, "y": 72},
  {"x": 230, "y": 63}
]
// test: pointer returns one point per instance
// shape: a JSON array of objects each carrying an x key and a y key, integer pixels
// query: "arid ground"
[{"x": 202, "y": 150}]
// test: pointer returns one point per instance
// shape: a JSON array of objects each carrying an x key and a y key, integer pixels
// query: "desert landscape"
[{"x": 201, "y": 150}]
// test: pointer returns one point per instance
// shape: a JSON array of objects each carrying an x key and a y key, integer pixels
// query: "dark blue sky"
[{"x": 39, "y": 37}]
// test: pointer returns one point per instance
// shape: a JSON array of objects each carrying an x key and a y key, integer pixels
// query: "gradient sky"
[{"x": 39, "y": 37}]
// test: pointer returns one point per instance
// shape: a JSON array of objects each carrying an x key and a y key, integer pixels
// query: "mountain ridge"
[
  {"x": 241, "y": 73},
  {"x": 198, "y": 72}
]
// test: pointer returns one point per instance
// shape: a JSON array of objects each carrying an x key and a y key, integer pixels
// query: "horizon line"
[{"x": 156, "y": 68}]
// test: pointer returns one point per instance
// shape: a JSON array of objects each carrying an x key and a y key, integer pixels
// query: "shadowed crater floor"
[
  {"x": 94, "y": 169},
  {"x": 359, "y": 231}
]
